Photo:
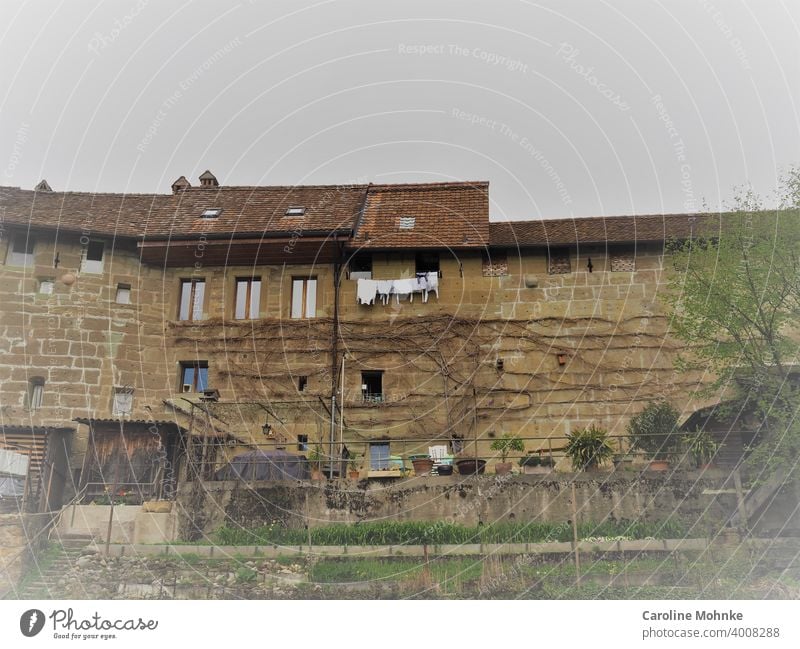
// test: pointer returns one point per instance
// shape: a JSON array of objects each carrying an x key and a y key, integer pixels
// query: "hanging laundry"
[
  {"x": 428, "y": 282},
  {"x": 366, "y": 290},
  {"x": 404, "y": 287},
  {"x": 384, "y": 290}
]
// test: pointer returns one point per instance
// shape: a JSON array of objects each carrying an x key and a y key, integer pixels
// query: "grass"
[{"x": 419, "y": 533}]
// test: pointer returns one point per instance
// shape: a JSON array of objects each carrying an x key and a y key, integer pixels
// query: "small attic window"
[
  {"x": 296, "y": 210},
  {"x": 407, "y": 222},
  {"x": 211, "y": 213}
]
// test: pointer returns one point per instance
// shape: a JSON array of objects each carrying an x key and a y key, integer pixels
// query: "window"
[
  {"x": 427, "y": 262},
  {"x": 379, "y": 459},
  {"x": 93, "y": 261},
  {"x": 20, "y": 251},
  {"x": 123, "y": 401},
  {"x": 123, "y": 294},
  {"x": 192, "y": 295},
  {"x": 372, "y": 386},
  {"x": 558, "y": 261},
  {"x": 302, "y": 383},
  {"x": 304, "y": 297},
  {"x": 361, "y": 266},
  {"x": 248, "y": 298},
  {"x": 194, "y": 376},
  {"x": 295, "y": 210},
  {"x": 302, "y": 442},
  {"x": 407, "y": 222},
  {"x": 495, "y": 263},
  {"x": 46, "y": 286},
  {"x": 623, "y": 261},
  {"x": 35, "y": 393},
  {"x": 212, "y": 213}
]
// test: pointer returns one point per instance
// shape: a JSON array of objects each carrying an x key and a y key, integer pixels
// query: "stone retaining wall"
[{"x": 692, "y": 497}]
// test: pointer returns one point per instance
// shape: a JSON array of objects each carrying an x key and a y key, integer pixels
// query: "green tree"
[{"x": 734, "y": 299}]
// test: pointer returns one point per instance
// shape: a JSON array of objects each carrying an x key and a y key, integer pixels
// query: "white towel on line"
[
  {"x": 384, "y": 289},
  {"x": 366, "y": 290},
  {"x": 404, "y": 287}
]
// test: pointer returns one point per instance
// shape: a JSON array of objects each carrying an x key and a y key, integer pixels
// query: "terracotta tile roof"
[
  {"x": 245, "y": 210},
  {"x": 440, "y": 215},
  {"x": 612, "y": 229}
]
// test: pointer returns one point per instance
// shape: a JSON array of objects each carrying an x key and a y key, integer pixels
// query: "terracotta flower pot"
[
  {"x": 658, "y": 465},
  {"x": 502, "y": 468},
  {"x": 354, "y": 475},
  {"x": 317, "y": 474},
  {"x": 422, "y": 466}
]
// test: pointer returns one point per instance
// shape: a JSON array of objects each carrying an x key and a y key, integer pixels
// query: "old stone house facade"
[{"x": 142, "y": 330}]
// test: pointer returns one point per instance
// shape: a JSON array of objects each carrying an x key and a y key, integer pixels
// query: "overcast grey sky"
[{"x": 567, "y": 108}]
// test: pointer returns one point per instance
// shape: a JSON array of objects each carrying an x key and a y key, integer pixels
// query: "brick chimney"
[
  {"x": 180, "y": 185},
  {"x": 207, "y": 179}
]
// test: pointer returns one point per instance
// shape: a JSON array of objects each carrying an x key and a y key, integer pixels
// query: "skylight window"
[
  {"x": 296, "y": 210},
  {"x": 407, "y": 222},
  {"x": 211, "y": 213}
]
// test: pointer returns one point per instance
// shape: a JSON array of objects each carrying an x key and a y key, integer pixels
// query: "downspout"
[
  {"x": 335, "y": 329},
  {"x": 337, "y": 267}
]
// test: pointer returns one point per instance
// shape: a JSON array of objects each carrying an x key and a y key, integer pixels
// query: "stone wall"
[
  {"x": 15, "y": 532},
  {"x": 473, "y": 501},
  {"x": 440, "y": 358}
]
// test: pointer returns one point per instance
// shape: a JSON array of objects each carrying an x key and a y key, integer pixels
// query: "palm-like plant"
[{"x": 588, "y": 447}]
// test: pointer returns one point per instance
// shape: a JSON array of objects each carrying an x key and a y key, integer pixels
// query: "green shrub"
[
  {"x": 588, "y": 447},
  {"x": 655, "y": 430}
]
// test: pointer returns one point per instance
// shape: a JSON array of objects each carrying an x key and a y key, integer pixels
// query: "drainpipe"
[{"x": 337, "y": 267}]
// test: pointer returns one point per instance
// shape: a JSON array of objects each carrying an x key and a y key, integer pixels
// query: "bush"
[
  {"x": 588, "y": 447},
  {"x": 655, "y": 430},
  {"x": 506, "y": 444}
]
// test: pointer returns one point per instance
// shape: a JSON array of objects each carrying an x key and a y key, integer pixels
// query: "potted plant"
[
  {"x": 702, "y": 447},
  {"x": 505, "y": 445},
  {"x": 654, "y": 431},
  {"x": 588, "y": 448},
  {"x": 535, "y": 463},
  {"x": 422, "y": 464},
  {"x": 469, "y": 465},
  {"x": 352, "y": 467},
  {"x": 315, "y": 458}
]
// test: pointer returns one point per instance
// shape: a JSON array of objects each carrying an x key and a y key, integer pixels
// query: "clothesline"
[{"x": 368, "y": 290}]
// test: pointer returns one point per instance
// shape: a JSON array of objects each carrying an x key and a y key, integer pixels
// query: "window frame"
[
  {"x": 382, "y": 462},
  {"x": 94, "y": 266},
  {"x": 121, "y": 391},
  {"x": 554, "y": 254},
  {"x": 494, "y": 263},
  {"x": 620, "y": 255},
  {"x": 196, "y": 384},
  {"x": 366, "y": 395},
  {"x": 122, "y": 287},
  {"x": 357, "y": 265},
  {"x": 305, "y": 299},
  {"x": 193, "y": 315},
  {"x": 26, "y": 258},
  {"x": 427, "y": 264},
  {"x": 42, "y": 282},
  {"x": 248, "y": 299},
  {"x": 35, "y": 395}
]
